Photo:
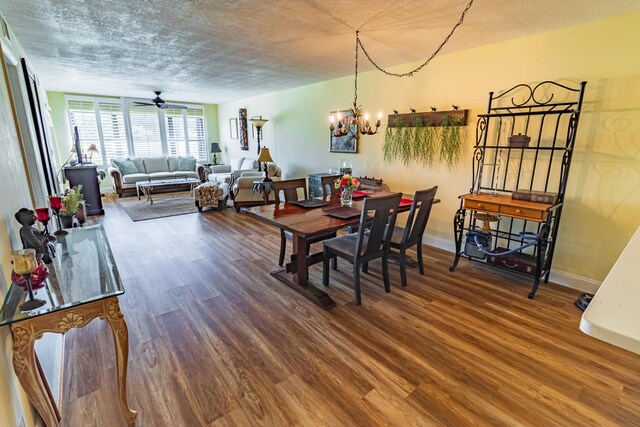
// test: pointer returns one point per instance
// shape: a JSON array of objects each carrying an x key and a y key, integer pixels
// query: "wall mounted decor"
[
  {"x": 343, "y": 138},
  {"x": 244, "y": 136},
  {"x": 233, "y": 128}
]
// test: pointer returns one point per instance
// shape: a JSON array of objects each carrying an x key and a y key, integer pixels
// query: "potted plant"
[{"x": 70, "y": 202}]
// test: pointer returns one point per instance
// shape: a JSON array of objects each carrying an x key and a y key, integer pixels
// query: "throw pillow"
[
  {"x": 248, "y": 164},
  {"x": 236, "y": 163},
  {"x": 186, "y": 164},
  {"x": 126, "y": 166}
]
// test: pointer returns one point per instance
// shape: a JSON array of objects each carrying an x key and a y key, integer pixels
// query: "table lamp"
[
  {"x": 258, "y": 122},
  {"x": 91, "y": 150},
  {"x": 24, "y": 262},
  {"x": 215, "y": 149},
  {"x": 265, "y": 157}
]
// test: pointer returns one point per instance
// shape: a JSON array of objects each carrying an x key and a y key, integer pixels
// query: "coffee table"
[{"x": 147, "y": 187}]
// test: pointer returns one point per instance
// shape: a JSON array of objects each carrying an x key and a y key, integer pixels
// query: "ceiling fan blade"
[
  {"x": 142, "y": 104},
  {"x": 173, "y": 106}
]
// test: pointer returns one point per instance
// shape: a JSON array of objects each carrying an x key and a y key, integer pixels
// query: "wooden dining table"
[{"x": 304, "y": 223}]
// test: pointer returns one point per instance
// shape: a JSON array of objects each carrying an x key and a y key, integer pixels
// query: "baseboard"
[{"x": 562, "y": 278}]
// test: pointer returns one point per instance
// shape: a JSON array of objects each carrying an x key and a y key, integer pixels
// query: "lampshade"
[
  {"x": 215, "y": 148},
  {"x": 73, "y": 148},
  {"x": 258, "y": 121},
  {"x": 265, "y": 156},
  {"x": 24, "y": 261},
  {"x": 92, "y": 149}
]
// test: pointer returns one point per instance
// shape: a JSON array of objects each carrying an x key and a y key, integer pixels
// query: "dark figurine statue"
[{"x": 33, "y": 238}]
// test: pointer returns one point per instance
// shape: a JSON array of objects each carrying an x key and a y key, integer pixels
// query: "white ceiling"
[{"x": 218, "y": 50}]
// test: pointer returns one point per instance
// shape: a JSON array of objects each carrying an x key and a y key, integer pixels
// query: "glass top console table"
[{"x": 83, "y": 284}]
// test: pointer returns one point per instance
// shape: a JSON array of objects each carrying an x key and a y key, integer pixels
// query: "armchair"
[
  {"x": 242, "y": 192},
  {"x": 236, "y": 167}
]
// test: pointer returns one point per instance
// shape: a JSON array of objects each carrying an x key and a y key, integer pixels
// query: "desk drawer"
[
  {"x": 519, "y": 212},
  {"x": 474, "y": 205}
]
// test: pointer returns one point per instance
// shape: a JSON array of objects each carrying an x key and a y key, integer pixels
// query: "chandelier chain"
[
  {"x": 424, "y": 64},
  {"x": 355, "y": 99}
]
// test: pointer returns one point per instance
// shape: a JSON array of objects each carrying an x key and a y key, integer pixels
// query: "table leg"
[
  {"x": 300, "y": 280},
  {"x": 26, "y": 369},
  {"x": 121, "y": 341}
]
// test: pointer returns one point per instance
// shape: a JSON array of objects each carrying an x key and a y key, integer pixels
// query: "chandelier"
[{"x": 358, "y": 123}]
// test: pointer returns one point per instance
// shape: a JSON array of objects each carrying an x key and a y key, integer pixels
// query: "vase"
[
  {"x": 66, "y": 221},
  {"x": 346, "y": 199}
]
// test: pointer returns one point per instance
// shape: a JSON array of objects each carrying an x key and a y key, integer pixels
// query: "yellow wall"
[
  {"x": 603, "y": 199},
  {"x": 15, "y": 194}
]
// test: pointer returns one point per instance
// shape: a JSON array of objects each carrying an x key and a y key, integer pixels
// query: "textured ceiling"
[{"x": 214, "y": 51}]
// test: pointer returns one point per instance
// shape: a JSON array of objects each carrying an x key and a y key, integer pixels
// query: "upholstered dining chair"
[
  {"x": 290, "y": 188},
  {"x": 410, "y": 235},
  {"x": 361, "y": 247},
  {"x": 328, "y": 181}
]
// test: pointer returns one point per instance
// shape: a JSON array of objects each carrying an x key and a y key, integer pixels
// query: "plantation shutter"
[
  {"x": 146, "y": 131},
  {"x": 82, "y": 114},
  {"x": 176, "y": 139},
  {"x": 113, "y": 130},
  {"x": 195, "y": 131}
]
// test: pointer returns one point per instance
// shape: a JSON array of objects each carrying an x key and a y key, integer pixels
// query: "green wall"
[{"x": 603, "y": 197}]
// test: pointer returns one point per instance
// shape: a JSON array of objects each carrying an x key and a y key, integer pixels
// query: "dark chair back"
[
  {"x": 384, "y": 210},
  {"x": 328, "y": 181},
  {"x": 290, "y": 189},
  {"x": 418, "y": 216}
]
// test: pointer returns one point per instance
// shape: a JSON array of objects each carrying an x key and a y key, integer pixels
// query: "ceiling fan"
[{"x": 159, "y": 102}]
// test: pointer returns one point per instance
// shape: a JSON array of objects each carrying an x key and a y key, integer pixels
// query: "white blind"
[
  {"x": 82, "y": 114},
  {"x": 195, "y": 130},
  {"x": 146, "y": 131},
  {"x": 113, "y": 130},
  {"x": 176, "y": 140}
]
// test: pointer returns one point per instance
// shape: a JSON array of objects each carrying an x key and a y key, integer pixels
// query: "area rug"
[{"x": 164, "y": 204}]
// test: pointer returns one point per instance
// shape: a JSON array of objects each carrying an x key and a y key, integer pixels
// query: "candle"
[
  {"x": 43, "y": 214},
  {"x": 55, "y": 202},
  {"x": 24, "y": 261}
]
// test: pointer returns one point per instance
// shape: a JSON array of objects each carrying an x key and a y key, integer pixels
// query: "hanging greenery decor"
[
  {"x": 423, "y": 143},
  {"x": 450, "y": 144}
]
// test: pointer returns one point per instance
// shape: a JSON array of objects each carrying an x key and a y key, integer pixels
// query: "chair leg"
[
  {"x": 385, "y": 274},
  {"x": 283, "y": 246},
  {"x": 356, "y": 283},
  {"x": 325, "y": 267},
  {"x": 402, "y": 260},
  {"x": 365, "y": 267},
  {"x": 420, "y": 264}
]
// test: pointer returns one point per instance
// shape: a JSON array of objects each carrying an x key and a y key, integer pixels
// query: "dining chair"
[
  {"x": 362, "y": 247},
  {"x": 290, "y": 187},
  {"x": 328, "y": 181},
  {"x": 411, "y": 234}
]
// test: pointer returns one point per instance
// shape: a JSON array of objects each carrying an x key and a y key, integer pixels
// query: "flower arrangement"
[
  {"x": 71, "y": 200},
  {"x": 347, "y": 182}
]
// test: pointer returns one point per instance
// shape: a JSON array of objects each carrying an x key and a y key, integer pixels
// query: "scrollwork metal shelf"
[{"x": 549, "y": 112}]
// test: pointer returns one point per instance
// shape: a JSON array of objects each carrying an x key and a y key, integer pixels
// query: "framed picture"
[
  {"x": 244, "y": 137},
  {"x": 233, "y": 128},
  {"x": 347, "y": 143}
]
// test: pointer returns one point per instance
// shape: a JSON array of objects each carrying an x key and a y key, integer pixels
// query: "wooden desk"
[
  {"x": 613, "y": 315},
  {"x": 83, "y": 285},
  {"x": 304, "y": 223}
]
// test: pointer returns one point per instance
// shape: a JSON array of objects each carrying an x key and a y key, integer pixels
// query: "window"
[{"x": 121, "y": 129}]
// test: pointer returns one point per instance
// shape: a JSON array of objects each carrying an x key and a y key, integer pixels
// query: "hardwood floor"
[{"x": 216, "y": 341}]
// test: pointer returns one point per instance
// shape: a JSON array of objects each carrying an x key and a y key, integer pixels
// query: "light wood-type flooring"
[{"x": 216, "y": 341}]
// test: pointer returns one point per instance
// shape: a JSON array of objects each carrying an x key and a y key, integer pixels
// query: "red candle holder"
[
  {"x": 43, "y": 216},
  {"x": 56, "y": 204}
]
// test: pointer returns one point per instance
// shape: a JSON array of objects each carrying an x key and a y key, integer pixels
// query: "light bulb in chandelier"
[{"x": 338, "y": 125}]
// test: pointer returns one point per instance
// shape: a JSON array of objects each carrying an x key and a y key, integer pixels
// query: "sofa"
[
  {"x": 127, "y": 171},
  {"x": 242, "y": 191},
  {"x": 228, "y": 173}
]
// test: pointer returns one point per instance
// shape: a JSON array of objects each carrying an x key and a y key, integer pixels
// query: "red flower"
[{"x": 343, "y": 182}]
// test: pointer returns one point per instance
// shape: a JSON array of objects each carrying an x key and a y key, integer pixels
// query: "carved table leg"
[
  {"x": 121, "y": 341},
  {"x": 24, "y": 364}
]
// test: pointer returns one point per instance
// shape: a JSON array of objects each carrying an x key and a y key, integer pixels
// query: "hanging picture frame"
[
  {"x": 347, "y": 143},
  {"x": 244, "y": 136},
  {"x": 233, "y": 128}
]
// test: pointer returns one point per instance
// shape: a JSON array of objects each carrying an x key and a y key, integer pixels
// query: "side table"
[
  {"x": 72, "y": 301},
  {"x": 265, "y": 188}
]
